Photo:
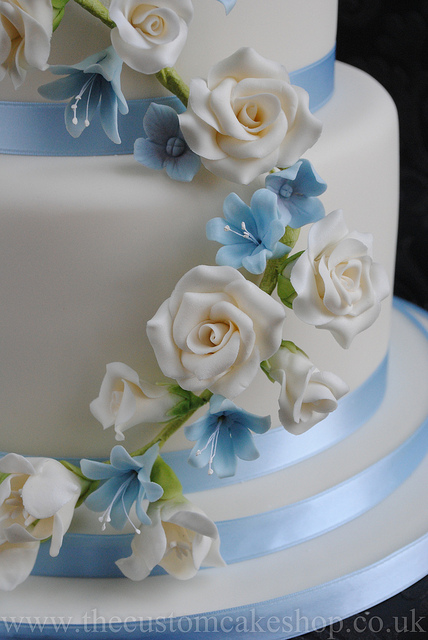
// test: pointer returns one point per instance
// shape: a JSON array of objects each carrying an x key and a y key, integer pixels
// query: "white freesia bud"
[
  {"x": 150, "y": 35},
  {"x": 125, "y": 400},
  {"x": 180, "y": 539},
  {"x": 25, "y": 36},
  {"x": 37, "y": 501},
  {"x": 307, "y": 394},
  {"x": 338, "y": 285}
]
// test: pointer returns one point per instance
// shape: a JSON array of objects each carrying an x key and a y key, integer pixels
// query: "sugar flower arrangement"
[{"x": 218, "y": 328}]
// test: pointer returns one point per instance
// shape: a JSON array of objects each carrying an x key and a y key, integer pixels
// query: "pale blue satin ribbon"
[
  {"x": 276, "y": 619},
  {"x": 30, "y": 128},
  {"x": 88, "y": 555}
]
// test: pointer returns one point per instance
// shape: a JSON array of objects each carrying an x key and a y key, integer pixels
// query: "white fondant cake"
[{"x": 95, "y": 247}]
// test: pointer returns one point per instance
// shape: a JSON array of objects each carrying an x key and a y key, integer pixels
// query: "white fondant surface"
[
  {"x": 294, "y": 32},
  {"x": 398, "y": 521},
  {"x": 90, "y": 247}
]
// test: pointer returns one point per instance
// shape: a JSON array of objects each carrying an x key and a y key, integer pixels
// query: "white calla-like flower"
[
  {"x": 125, "y": 400},
  {"x": 338, "y": 285},
  {"x": 180, "y": 539},
  {"x": 307, "y": 394},
  {"x": 150, "y": 35},
  {"x": 37, "y": 502},
  {"x": 247, "y": 118},
  {"x": 25, "y": 37},
  {"x": 214, "y": 330}
]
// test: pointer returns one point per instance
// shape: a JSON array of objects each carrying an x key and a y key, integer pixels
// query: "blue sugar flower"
[
  {"x": 228, "y": 4},
  {"x": 125, "y": 481},
  {"x": 223, "y": 435},
  {"x": 91, "y": 83},
  {"x": 164, "y": 145},
  {"x": 250, "y": 235},
  {"x": 296, "y": 189}
]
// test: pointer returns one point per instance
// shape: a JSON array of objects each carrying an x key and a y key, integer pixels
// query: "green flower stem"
[
  {"x": 172, "y": 426},
  {"x": 97, "y": 9},
  {"x": 170, "y": 79},
  {"x": 275, "y": 267}
]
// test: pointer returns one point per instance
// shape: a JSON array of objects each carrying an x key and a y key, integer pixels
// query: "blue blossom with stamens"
[
  {"x": 296, "y": 189},
  {"x": 125, "y": 481},
  {"x": 222, "y": 435},
  {"x": 250, "y": 234},
  {"x": 164, "y": 146},
  {"x": 92, "y": 83}
]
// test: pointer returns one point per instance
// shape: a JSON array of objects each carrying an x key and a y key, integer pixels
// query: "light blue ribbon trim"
[
  {"x": 317, "y": 79},
  {"x": 38, "y": 129},
  {"x": 287, "y": 616},
  {"x": 257, "y": 535}
]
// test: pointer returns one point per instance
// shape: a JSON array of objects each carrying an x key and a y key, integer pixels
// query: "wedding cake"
[{"x": 203, "y": 375}]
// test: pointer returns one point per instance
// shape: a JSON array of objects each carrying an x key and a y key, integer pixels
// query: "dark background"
[{"x": 389, "y": 40}]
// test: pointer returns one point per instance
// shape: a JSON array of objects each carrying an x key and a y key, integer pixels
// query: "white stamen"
[
  {"x": 182, "y": 549},
  {"x": 89, "y": 83},
  {"x": 212, "y": 440},
  {"x": 246, "y": 234},
  {"x": 106, "y": 517}
]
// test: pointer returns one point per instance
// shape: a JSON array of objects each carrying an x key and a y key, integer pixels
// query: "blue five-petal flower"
[
  {"x": 164, "y": 146},
  {"x": 223, "y": 435},
  {"x": 250, "y": 234},
  {"x": 92, "y": 82},
  {"x": 296, "y": 189},
  {"x": 125, "y": 481}
]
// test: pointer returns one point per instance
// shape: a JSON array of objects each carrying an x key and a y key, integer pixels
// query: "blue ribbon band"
[
  {"x": 89, "y": 555},
  {"x": 38, "y": 129}
]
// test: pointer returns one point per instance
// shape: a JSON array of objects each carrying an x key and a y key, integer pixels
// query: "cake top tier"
[{"x": 296, "y": 33}]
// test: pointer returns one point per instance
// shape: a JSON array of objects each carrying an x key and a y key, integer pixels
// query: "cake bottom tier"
[{"x": 307, "y": 585}]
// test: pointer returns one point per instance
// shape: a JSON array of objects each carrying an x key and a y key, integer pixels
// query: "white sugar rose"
[
  {"x": 125, "y": 400},
  {"x": 180, "y": 539},
  {"x": 37, "y": 501},
  {"x": 214, "y": 330},
  {"x": 247, "y": 118},
  {"x": 307, "y": 395},
  {"x": 338, "y": 285},
  {"x": 150, "y": 35},
  {"x": 25, "y": 37}
]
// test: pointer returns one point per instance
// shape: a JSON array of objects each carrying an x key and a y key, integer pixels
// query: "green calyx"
[
  {"x": 163, "y": 475},
  {"x": 176, "y": 423},
  {"x": 276, "y": 266}
]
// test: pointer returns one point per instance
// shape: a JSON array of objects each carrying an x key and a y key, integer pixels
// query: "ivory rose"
[
  {"x": 338, "y": 285},
  {"x": 247, "y": 118},
  {"x": 150, "y": 35},
  {"x": 180, "y": 539},
  {"x": 307, "y": 394},
  {"x": 25, "y": 36},
  {"x": 214, "y": 330},
  {"x": 37, "y": 501},
  {"x": 125, "y": 400}
]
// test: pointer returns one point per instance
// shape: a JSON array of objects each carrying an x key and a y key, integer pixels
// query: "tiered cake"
[{"x": 263, "y": 343}]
